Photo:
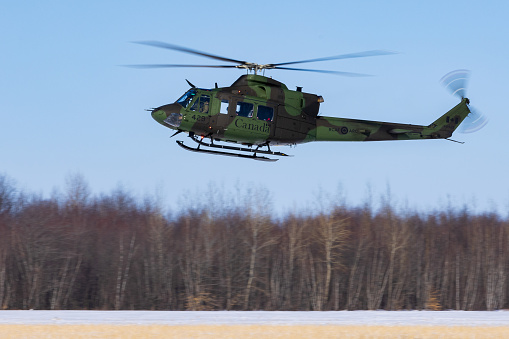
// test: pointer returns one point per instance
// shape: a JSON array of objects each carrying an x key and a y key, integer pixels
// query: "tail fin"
[{"x": 444, "y": 126}]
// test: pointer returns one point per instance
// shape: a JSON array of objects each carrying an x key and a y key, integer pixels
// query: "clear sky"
[{"x": 68, "y": 107}]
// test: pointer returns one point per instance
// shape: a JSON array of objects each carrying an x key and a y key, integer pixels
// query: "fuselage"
[{"x": 256, "y": 110}]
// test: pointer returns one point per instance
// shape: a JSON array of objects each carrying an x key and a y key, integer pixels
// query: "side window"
[
  {"x": 265, "y": 113},
  {"x": 244, "y": 109},
  {"x": 224, "y": 107},
  {"x": 202, "y": 104}
]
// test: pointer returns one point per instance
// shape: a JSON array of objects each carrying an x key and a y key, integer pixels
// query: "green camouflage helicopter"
[{"x": 259, "y": 112}]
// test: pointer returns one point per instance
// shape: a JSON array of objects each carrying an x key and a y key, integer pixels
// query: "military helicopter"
[{"x": 259, "y": 112}]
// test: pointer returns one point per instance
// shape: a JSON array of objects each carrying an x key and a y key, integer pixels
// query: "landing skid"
[{"x": 253, "y": 152}]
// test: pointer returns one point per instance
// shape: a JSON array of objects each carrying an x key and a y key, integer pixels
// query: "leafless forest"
[{"x": 116, "y": 251}]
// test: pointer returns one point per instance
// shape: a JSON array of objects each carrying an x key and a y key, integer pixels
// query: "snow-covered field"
[{"x": 387, "y": 318}]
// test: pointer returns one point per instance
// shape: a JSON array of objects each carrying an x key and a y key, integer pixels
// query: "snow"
[{"x": 388, "y": 318}]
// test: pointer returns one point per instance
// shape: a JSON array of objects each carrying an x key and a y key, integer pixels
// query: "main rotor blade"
[
  {"x": 179, "y": 66},
  {"x": 186, "y": 50},
  {"x": 348, "y": 74},
  {"x": 342, "y": 56}
]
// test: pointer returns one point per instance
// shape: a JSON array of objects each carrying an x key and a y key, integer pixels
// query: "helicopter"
[{"x": 257, "y": 112}]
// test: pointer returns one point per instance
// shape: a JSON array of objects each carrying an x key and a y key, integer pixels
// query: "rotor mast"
[{"x": 254, "y": 67}]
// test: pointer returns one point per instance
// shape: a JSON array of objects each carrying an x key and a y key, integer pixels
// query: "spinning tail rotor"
[{"x": 456, "y": 82}]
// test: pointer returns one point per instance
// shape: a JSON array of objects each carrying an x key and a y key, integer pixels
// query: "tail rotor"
[
  {"x": 473, "y": 122},
  {"x": 456, "y": 82}
]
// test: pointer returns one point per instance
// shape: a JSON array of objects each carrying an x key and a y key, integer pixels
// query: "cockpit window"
[
  {"x": 187, "y": 98},
  {"x": 201, "y": 105}
]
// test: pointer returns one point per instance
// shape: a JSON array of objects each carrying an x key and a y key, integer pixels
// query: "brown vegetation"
[
  {"x": 250, "y": 331},
  {"x": 76, "y": 251}
]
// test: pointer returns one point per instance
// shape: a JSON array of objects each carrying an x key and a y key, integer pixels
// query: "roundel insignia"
[{"x": 344, "y": 130}]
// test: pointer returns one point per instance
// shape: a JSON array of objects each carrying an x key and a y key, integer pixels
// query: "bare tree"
[
  {"x": 196, "y": 261},
  {"x": 258, "y": 235},
  {"x": 231, "y": 260},
  {"x": 34, "y": 243},
  {"x": 7, "y": 202},
  {"x": 158, "y": 262},
  {"x": 258, "y": 238},
  {"x": 294, "y": 243},
  {"x": 494, "y": 239},
  {"x": 329, "y": 234},
  {"x": 357, "y": 267}
]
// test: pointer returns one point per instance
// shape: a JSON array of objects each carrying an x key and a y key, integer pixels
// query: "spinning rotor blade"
[
  {"x": 180, "y": 66},
  {"x": 456, "y": 82},
  {"x": 187, "y": 50},
  {"x": 348, "y": 74},
  {"x": 342, "y": 56},
  {"x": 253, "y": 66},
  {"x": 473, "y": 122}
]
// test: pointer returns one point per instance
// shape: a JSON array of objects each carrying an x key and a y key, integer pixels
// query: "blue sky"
[{"x": 68, "y": 107}]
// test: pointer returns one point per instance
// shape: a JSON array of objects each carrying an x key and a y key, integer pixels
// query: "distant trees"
[{"x": 78, "y": 251}]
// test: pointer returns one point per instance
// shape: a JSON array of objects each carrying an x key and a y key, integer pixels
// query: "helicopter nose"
[{"x": 168, "y": 115}]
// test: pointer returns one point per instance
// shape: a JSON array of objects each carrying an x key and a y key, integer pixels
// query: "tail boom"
[{"x": 339, "y": 129}]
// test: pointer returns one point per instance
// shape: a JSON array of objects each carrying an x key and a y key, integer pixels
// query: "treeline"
[{"x": 76, "y": 251}]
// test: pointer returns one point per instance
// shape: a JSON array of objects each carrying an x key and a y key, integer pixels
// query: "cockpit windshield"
[{"x": 187, "y": 98}]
